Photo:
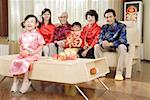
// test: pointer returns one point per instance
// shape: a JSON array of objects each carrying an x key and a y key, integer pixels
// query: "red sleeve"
[
  {"x": 51, "y": 36},
  {"x": 95, "y": 40},
  {"x": 83, "y": 37}
]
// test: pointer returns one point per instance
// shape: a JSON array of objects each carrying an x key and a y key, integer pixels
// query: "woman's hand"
[
  {"x": 85, "y": 47},
  {"x": 84, "y": 53}
]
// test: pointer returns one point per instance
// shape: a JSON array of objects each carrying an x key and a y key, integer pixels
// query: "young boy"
[{"x": 73, "y": 41}]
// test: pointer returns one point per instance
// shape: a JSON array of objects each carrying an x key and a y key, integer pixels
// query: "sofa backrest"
[{"x": 133, "y": 36}]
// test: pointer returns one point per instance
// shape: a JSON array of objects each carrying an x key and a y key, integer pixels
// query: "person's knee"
[
  {"x": 122, "y": 47},
  {"x": 61, "y": 43},
  {"x": 51, "y": 44},
  {"x": 45, "y": 48},
  {"x": 96, "y": 47}
]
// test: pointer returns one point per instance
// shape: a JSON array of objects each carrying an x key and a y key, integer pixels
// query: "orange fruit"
[{"x": 93, "y": 71}]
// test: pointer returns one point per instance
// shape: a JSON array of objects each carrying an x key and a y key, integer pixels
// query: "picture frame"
[{"x": 133, "y": 11}]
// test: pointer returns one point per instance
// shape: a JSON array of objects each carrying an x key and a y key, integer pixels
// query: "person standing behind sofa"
[
  {"x": 47, "y": 31},
  {"x": 89, "y": 35},
  {"x": 60, "y": 33},
  {"x": 113, "y": 38}
]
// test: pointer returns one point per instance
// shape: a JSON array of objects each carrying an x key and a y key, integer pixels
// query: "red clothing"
[
  {"x": 61, "y": 32},
  {"x": 73, "y": 39},
  {"x": 90, "y": 35},
  {"x": 47, "y": 31}
]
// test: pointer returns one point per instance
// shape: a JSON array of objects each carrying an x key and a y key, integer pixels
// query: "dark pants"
[{"x": 90, "y": 53}]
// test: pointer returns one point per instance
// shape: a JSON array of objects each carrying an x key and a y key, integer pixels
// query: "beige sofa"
[
  {"x": 133, "y": 55},
  {"x": 12, "y": 46}
]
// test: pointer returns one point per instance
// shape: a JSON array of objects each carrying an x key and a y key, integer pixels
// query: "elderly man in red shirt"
[{"x": 60, "y": 33}]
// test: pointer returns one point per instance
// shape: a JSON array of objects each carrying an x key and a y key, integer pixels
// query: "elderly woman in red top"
[
  {"x": 90, "y": 35},
  {"x": 47, "y": 31}
]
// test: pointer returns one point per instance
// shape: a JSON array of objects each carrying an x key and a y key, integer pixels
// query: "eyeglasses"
[{"x": 62, "y": 17}]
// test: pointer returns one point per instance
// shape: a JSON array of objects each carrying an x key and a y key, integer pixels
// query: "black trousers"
[{"x": 90, "y": 53}]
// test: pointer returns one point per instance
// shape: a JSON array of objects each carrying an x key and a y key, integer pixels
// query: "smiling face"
[
  {"x": 30, "y": 24},
  {"x": 46, "y": 16},
  {"x": 63, "y": 18},
  {"x": 91, "y": 19},
  {"x": 110, "y": 18},
  {"x": 76, "y": 28}
]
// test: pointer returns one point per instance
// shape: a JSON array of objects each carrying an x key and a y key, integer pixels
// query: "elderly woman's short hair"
[{"x": 92, "y": 13}]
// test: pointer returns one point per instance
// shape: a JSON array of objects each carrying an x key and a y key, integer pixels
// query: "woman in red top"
[
  {"x": 89, "y": 35},
  {"x": 47, "y": 31}
]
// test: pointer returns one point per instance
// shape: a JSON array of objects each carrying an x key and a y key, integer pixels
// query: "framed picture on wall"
[{"x": 133, "y": 11}]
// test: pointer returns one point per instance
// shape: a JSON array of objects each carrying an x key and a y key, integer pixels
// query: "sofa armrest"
[
  {"x": 134, "y": 50},
  {"x": 14, "y": 47}
]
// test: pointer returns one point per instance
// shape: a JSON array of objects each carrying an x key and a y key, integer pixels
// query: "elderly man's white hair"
[{"x": 63, "y": 14}]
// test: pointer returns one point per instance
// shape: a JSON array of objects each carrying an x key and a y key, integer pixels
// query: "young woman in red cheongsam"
[{"x": 47, "y": 31}]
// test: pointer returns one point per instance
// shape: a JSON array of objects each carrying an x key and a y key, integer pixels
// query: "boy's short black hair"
[
  {"x": 110, "y": 10},
  {"x": 92, "y": 13},
  {"x": 76, "y": 23}
]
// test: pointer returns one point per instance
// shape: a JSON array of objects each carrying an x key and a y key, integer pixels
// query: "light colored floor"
[{"x": 136, "y": 88}]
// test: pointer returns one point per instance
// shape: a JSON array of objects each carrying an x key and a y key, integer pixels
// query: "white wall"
[{"x": 146, "y": 29}]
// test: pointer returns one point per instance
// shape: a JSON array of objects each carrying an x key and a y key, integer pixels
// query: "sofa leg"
[
  {"x": 128, "y": 68},
  {"x": 138, "y": 65}
]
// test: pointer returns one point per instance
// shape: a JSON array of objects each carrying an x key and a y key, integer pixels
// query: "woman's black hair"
[
  {"x": 92, "y": 13},
  {"x": 76, "y": 23},
  {"x": 110, "y": 11},
  {"x": 46, "y": 10},
  {"x": 29, "y": 16}
]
